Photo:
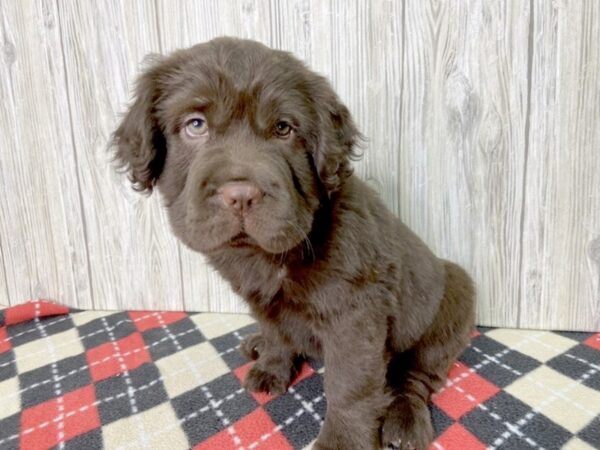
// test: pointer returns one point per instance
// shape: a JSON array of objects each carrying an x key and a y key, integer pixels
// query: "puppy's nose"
[{"x": 240, "y": 195}]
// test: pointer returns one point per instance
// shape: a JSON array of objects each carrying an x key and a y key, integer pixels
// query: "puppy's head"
[{"x": 242, "y": 141}]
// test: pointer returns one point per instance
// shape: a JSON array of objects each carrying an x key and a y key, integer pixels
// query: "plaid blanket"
[{"x": 170, "y": 380}]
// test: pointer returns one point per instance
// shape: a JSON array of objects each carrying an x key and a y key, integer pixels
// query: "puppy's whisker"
[{"x": 305, "y": 239}]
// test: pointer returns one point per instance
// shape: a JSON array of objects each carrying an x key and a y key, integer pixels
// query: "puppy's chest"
[{"x": 301, "y": 293}]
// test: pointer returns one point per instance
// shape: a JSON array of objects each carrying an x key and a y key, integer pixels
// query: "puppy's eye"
[
  {"x": 283, "y": 129},
  {"x": 196, "y": 126}
]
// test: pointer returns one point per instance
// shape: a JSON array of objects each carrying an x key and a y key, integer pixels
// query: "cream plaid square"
[
  {"x": 552, "y": 394},
  {"x": 577, "y": 444},
  {"x": 9, "y": 397},
  {"x": 142, "y": 430},
  {"x": 190, "y": 368},
  {"x": 541, "y": 345},
  {"x": 215, "y": 325},
  {"x": 42, "y": 352},
  {"x": 83, "y": 317}
]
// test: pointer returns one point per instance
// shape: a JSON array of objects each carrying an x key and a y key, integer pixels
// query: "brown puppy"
[{"x": 251, "y": 153}]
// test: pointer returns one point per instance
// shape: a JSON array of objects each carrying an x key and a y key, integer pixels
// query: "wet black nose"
[{"x": 240, "y": 195}]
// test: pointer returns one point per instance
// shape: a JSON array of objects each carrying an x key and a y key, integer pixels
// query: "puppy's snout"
[{"x": 240, "y": 195}]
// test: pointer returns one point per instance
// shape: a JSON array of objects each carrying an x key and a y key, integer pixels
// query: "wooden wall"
[{"x": 483, "y": 119}]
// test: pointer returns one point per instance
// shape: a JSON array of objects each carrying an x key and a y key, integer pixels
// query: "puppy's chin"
[{"x": 237, "y": 237}]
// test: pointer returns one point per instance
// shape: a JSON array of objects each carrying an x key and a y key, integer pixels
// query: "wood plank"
[
  {"x": 350, "y": 41},
  {"x": 42, "y": 233},
  {"x": 4, "y": 297},
  {"x": 561, "y": 264},
  {"x": 463, "y": 140},
  {"x": 134, "y": 258}
]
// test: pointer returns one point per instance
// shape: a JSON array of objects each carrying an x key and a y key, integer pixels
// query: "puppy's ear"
[
  {"x": 140, "y": 145},
  {"x": 338, "y": 140}
]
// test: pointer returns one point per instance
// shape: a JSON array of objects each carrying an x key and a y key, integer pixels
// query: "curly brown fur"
[{"x": 326, "y": 269}]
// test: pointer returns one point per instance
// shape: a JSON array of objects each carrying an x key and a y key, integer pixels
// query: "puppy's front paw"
[
  {"x": 261, "y": 380},
  {"x": 407, "y": 426},
  {"x": 252, "y": 345}
]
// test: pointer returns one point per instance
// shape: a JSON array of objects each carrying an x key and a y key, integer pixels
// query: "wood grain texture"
[
  {"x": 463, "y": 140},
  {"x": 561, "y": 260},
  {"x": 134, "y": 259},
  {"x": 41, "y": 234},
  {"x": 481, "y": 119}
]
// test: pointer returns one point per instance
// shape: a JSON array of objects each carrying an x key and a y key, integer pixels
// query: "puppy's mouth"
[{"x": 242, "y": 239}]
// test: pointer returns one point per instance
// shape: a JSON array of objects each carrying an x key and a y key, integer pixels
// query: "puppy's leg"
[
  {"x": 422, "y": 370},
  {"x": 274, "y": 367},
  {"x": 355, "y": 368}
]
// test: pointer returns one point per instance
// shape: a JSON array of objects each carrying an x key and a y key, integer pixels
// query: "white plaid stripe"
[
  {"x": 250, "y": 446},
  {"x": 281, "y": 426},
  {"x": 31, "y": 330},
  {"x": 528, "y": 336},
  {"x": 554, "y": 395},
  {"x": 496, "y": 359},
  {"x": 209, "y": 396},
  {"x": 306, "y": 405},
  {"x": 128, "y": 382},
  {"x": 82, "y": 337},
  {"x": 128, "y": 353},
  {"x": 490, "y": 359},
  {"x": 512, "y": 428},
  {"x": 60, "y": 424},
  {"x": 111, "y": 398},
  {"x": 114, "y": 355}
]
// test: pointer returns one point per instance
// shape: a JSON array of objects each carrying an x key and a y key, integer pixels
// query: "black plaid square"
[
  {"x": 574, "y": 335},
  {"x": 488, "y": 423},
  {"x": 88, "y": 441},
  {"x": 27, "y": 332},
  {"x": 9, "y": 432},
  {"x": 301, "y": 425},
  {"x": 206, "y": 409},
  {"x": 497, "y": 419},
  {"x": 496, "y": 362},
  {"x": 544, "y": 432},
  {"x": 224, "y": 345},
  {"x": 117, "y": 398},
  {"x": 484, "y": 330},
  {"x": 96, "y": 332},
  {"x": 591, "y": 433},
  {"x": 439, "y": 419},
  {"x": 580, "y": 363},
  {"x": 165, "y": 341},
  {"x": 38, "y": 385},
  {"x": 8, "y": 365},
  {"x": 248, "y": 329}
]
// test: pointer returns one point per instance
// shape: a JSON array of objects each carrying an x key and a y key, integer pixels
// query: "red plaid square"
[
  {"x": 261, "y": 397},
  {"x": 112, "y": 358},
  {"x": 50, "y": 423},
  {"x": 145, "y": 320},
  {"x": 466, "y": 392},
  {"x": 457, "y": 438},
  {"x": 27, "y": 311},
  {"x": 256, "y": 430},
  {"x": 593, "y": 341},
  {"x": 4, "y": 340}
]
